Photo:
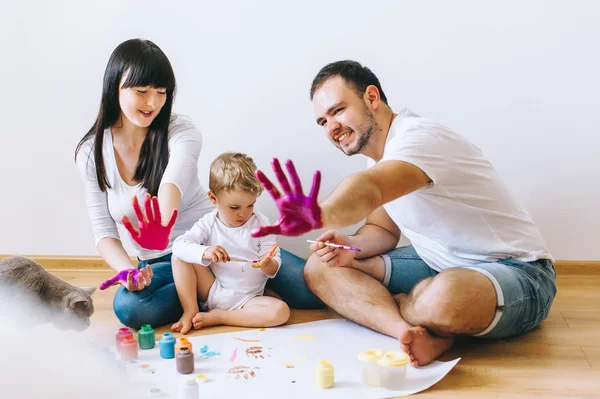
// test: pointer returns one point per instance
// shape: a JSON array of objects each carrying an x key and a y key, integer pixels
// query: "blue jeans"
[
  {"x": 524, "y": 290},
  {"x": 158, "y": 304}
]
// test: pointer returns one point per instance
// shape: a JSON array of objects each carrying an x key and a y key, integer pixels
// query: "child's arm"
[{"x": 189, "y": 247}]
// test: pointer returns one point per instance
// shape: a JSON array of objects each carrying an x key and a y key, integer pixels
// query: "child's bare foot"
[
  {"x": 207, "y": 319},
  {"x": 184, "y": 325}
]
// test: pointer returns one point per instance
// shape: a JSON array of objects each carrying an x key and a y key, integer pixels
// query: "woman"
[{"x": 138, "y": 148}]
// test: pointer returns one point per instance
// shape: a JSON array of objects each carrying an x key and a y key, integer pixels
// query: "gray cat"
[{"x": 25, "y": 282}]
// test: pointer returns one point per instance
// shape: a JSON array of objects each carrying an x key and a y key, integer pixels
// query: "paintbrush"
[
  {"x": 235, "y": 259},
  {"x": 329, "y": 244}
]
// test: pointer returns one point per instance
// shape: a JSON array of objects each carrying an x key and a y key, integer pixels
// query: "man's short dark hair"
[{"x": 353, "y": 73}]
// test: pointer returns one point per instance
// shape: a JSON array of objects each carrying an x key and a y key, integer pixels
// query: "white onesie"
[{"x": 235, "y": 282}]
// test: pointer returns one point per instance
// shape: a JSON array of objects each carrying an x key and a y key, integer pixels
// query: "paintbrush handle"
[{"x": 335, "y": 245}]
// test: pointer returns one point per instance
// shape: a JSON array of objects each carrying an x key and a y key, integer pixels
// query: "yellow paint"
[
  {"x": 306, "y": 337},
  {"x": 261, "y": 329},
  {"x": 247, "y": 340},
  {"x": 324, "y": 374},
  {"x": 370, "y": 355},
  {"x": 394, "y": 359}
]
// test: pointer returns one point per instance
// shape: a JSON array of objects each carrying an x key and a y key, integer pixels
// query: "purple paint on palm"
[
  {"x": 299, "y": 213},
  {"x": 121, "y": 277}
]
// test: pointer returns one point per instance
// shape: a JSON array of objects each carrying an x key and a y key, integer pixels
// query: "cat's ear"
[{"x": 89, "y": 290}]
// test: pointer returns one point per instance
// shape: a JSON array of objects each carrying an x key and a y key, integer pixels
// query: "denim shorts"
[{"x": 524, "y": 290}]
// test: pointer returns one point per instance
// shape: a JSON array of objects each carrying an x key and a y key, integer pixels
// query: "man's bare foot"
[
  {"x": 422, "y": 347},
  {"x": 184, "y": 325},
  {"x": 207, "y": 319}
]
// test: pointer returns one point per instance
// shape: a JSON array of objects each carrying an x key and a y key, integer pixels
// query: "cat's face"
[{"x": 74, "y": 311}]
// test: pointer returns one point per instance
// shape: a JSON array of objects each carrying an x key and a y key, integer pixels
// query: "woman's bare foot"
[
  {"x": 184, "y": 325},
  {"x": 422, "y": 347},
  {"x": 207, "y": 319}
]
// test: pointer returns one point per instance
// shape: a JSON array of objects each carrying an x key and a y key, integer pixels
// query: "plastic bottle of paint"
[
  {"x": 185, "y": 361},
  {"x": 166, "y": 346},
  {"x": 188, "y": 389},
  {"x": 371, "y": 375},
  {"x": 182, "y": 343},
  {"x": 393, "y": 369},
  {"x": 129, "y": 348},
  {"x": 146, "y": 337},
  {"x": 122, "y": 333},
  {"x": 324, "y": 374}
]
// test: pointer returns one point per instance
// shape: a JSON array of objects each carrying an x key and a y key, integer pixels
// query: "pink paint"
[
  {"x": 122, "y": 333},
  {"x": 233, "y": 355},
  {"x": 152, "y": 234},
  {"x": 299, "y": 213}
]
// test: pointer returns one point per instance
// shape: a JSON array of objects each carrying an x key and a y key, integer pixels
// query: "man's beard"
[{"x": 363, "y": 133}]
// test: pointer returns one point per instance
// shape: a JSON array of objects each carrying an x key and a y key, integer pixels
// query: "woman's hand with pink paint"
[
  {"x": 152, "y": 234},
  {"x": 299, "y": 213},
  {"x": 334, "y": 257}
]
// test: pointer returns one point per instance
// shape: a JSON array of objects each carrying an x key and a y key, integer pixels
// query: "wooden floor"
[{"x": 560, "y": 359}]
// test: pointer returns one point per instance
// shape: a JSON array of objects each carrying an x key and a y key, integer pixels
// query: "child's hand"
[
  {"x": 217, "y": 254},
  {"x": 266, "y": 257}
]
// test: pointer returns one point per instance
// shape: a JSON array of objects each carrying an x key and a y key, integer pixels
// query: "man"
[{"x": 477, "y": 264}]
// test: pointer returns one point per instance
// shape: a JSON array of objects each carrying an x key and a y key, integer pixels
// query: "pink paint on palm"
[
  {"x": 121, "y": 277},
  {"x": 152, "y": 234},
  {"x": 299, "y": 213}
]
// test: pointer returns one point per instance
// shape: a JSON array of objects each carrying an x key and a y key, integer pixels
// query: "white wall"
[{"x": 519, "y": 78}]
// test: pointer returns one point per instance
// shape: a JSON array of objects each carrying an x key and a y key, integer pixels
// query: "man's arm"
[
  {"x": 361, "y": 193},
  {"x": 379, "y": 235}
]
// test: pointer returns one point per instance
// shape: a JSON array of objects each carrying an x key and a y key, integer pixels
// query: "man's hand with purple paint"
[
  {"x": 299, "y": 213},
  {"x": 152, "y": 234},
  {"x": 131, "y": 279}
]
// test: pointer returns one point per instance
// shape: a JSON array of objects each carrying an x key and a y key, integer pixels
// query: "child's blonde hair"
[{"x": 234, "y": 171}]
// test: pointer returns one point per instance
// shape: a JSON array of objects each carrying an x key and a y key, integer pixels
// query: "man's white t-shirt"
[
  {"x": 466, "y": 215},
  {"x": 105, "y": 209}
]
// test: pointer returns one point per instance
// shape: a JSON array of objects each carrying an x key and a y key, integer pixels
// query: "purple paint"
[{"x": 121, "y": 277}]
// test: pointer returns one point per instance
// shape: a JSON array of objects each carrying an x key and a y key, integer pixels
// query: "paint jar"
[
  {"x": 122, "y": 333},
  {"x": 129, "y": 348},
  {"x": 371, "y": 374},
  {"x": 146, "y": 337},
  {"x": 188, "y": 389},
  {"x": 324, "y": 374},
  {"x": 184, "y": 361},
  {"x": 393, "y": 369},
  {"x": 166, "y": 346},
  {"x": 182, "y": 343}
]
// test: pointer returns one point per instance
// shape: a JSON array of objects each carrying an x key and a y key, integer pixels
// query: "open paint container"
[
  {"x": 392, "y": 368},
  {"x": 370, "y": 368}
]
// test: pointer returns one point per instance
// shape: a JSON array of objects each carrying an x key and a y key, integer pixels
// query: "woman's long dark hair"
[{"x": 146, "y": 65}]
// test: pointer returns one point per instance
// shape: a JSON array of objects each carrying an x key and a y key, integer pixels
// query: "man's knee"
[
  {"x": 456, "y": 301},
  {"x": 314, "y": 271}
]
